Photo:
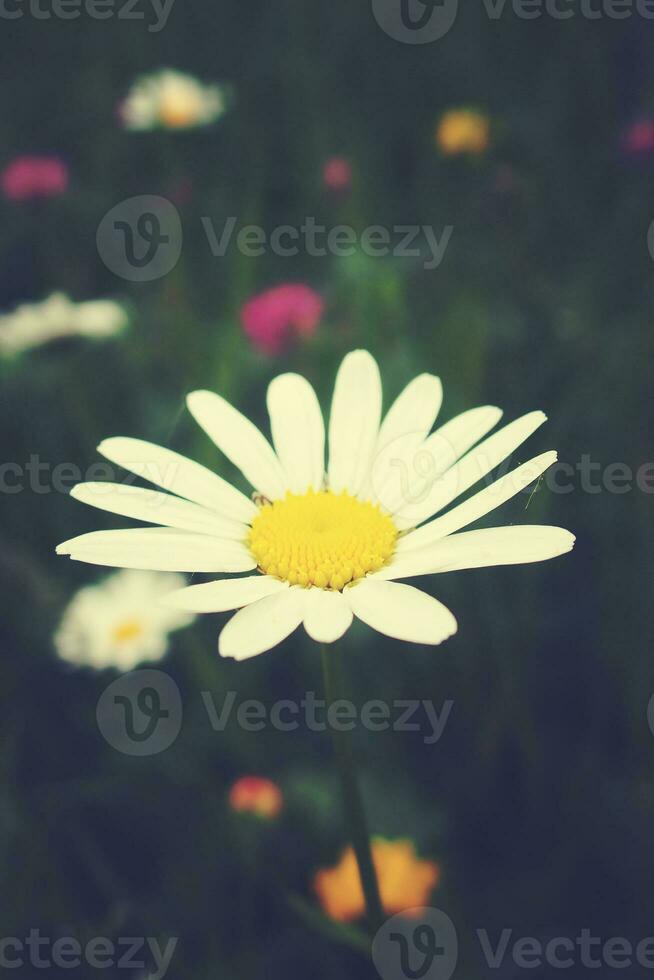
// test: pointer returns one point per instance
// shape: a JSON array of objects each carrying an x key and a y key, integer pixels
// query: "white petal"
[
  {"x": 517, "y": 545},
  {"x": 240, "y": 440},
  {"x": 470, "y": 469},
  {"x": 478, "y": 506},
  {"x": 157, "y": 508},
  {"x": 327, "y": 615},
  {"x": 298, "y": 431},
  {"x": 464, "y": 430},
  {"x": 181, "y": 476},
  {"x": 354, "y": 422},
  {"x": 262, "y": 625},
  {"x": 226, "y": 594},
  {"x": 401, "y": 611},
  {"x": 413, "y": 412},
  {"x": 159, "y": 549},
  {"x": 405, "y": 473}
]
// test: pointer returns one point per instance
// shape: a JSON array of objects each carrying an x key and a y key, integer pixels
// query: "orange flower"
[
  {"x": 463, "y": 131},
  {"x": 252, "y": 794},
  {"x": 405, "y": 881}
]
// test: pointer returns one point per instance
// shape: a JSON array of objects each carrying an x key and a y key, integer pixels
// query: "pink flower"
[
  {"x": 638, "y": 139},
  {"x": 256, "y": 795},
  {"x": 270, "y": 319},
  {"x": 337, "y": 174},
  {"x": 29, "y": 177}
]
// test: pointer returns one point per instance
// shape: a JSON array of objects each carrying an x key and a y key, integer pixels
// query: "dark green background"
[{"x": 539, "y": 800}]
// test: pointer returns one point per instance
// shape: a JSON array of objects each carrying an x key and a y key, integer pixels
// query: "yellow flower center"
[
  {"x": 178, "y": 110},
  {"x": 322, "y": 539},
  {"x": 128, "y": 630}
]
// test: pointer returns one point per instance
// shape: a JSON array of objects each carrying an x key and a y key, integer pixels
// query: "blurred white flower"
[
  {"x": 120, "y": 621},
  {"x": 171, "y": 100},
  {"x": 33, "y": 324}
]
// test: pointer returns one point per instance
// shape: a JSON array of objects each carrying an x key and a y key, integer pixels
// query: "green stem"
[
  {"x": 339, "y": 932},
  {"x": 332, "y": 666}
]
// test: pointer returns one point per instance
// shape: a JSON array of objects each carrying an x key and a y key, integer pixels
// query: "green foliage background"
[{"x": 538, "y": 801}]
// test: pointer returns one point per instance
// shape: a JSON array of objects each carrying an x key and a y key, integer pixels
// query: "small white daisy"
[
  {"x": 121, "y": 621},
  {"x": 323, "y": 547},
  {"x": 171, "y": 100},
  {"x": 34, "y": 324}
]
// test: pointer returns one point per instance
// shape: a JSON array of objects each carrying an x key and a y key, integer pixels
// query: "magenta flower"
[
  {"x": 638, "y": 138},
  {"x": 272, "y": 318},
  {"x": 30, "y": 177},
  {"x": 337, "y": 174}
]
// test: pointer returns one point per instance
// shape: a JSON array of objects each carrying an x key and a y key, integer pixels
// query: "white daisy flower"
[
  {"x": 34, "y": 324},
  {"x": 121, "y": 621},
  {"x": 171, "y": 100},
  {"x": 323, "y": 548}
]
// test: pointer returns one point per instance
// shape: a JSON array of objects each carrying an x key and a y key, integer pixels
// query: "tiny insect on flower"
[{"x": 324, "y": 547}]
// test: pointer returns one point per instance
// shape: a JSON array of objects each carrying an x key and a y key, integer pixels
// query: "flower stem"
[{"x": 332, "y": 667}]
